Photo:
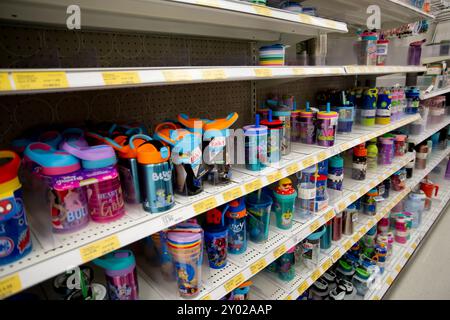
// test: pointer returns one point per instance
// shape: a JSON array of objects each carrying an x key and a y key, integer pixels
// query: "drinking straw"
[
  {"x": 328, "y": 107},
  {"x": 257, "y": 121},
  {"x": 307, "y": 106}
]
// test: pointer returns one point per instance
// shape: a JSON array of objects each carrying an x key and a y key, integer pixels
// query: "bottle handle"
[{"x": 138, "y": 136}]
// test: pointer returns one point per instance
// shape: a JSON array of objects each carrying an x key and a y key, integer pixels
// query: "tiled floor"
[{"x": 427, "y": 276}]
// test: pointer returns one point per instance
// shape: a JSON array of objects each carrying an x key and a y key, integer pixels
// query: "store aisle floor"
[{"x": 427, "y": 276}]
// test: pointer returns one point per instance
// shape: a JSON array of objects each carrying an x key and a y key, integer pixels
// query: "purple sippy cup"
[{"x": 121, "y": 277}]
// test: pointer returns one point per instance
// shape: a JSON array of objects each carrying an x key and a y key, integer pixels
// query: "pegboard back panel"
[
  {"x": 44, "y": 47},
  {"x": 306, "y": 89},
  {"x": 150, "y": 105}
]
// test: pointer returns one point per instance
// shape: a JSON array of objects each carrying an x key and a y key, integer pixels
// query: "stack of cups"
[{"x": 273, "y": 55}]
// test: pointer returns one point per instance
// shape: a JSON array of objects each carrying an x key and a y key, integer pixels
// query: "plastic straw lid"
[
  {"x": 327, "y": 114},
  {"x": 117, "y": 260},
  {"x": 336, "y": 162},
  {"x": 236, "y": 209},
  {"x": 271, "y": 123},
  {"x": 372, "y": 193},
  {"x": 183, "y": 239},
  {"x": 257, "y": 129},
  {"x": 360, "y": 151},
  {"x": 258, "y": 201}
]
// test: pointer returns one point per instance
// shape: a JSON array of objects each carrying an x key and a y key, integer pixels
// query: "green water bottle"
[{"x": 372, "y": 154}]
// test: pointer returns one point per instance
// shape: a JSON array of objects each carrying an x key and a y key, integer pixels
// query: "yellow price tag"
[
  {"x": 205, "y": 205},
  {"x": 177, "y": 75},
  {"x": 398, "y": 268},
  {"x": 407, "y": 255},
  {"x": 345, "y": 146},
  {"x": 299, "y": 71},
  {"x": 355, "y": 237},
  {"x": 337, "y": 255},
  {"x": 314, "y": 226},
  {"x": 348, "y": 244},
  {"x": 214, "y": 74},
  {"x": 263, "y": 73},
  {"x": 414, "y": 245},
  {"x": 209, "y": 3},
  {"x": 264, "y": 11},
  {"x": 289, "y": 297},
  {"x": 304, "y": 18},
  {"x": 302, "y": 288},
  {"x": 373, "y": 184},
  {"x": 315, "y": 275},
  {"x": 233, "y": 283},
  {"x": 279, "y": 251},
  {"x": 353, "y": 197},
  {"x": 363, "y": 230},
  {"x": 327, "y": 264},
  {"x": 308, "y": 162},
  {"x": 99, "y": 248},
  {"x": 252, "y": 186},
  {"x": 322, "y": 156},
  {"x": 40, "y": 80},
  {"x": 5, "y": 85},
  {"x": 329, "y": 215},
  {"x": 258, "y": 266},
  {"x": 120, "y": 77},
  {"x": 232, "y": 194},
  {"x": 274, "y": 176},
  {"x": 10, "y": 285},
  {"x": 207, "y": 297},
  {"x": 389, "y": 280},
  {"x": 376, "y": 298},
  {"x": 341, "y": 206},
  {"x": 293, "y": 168}
]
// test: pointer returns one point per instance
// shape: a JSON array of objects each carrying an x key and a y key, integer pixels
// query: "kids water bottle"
[
  {"x": 255, "y": 146},
  {"x": 15, "y": 237},
  {"x": 121, "y": 276},
  {"x": 216, "y": 238},
  {"x": 369, "y": 107},
  {"x": 235, "y": 218},
  {"x": 284, "y": 115},
  {"x": 383, "y": 113},
  {"x": 258, "y": 219},
  {"x": 307, "y": 126},
  {"x": 274, "y": 138},
  {"x": 335, "y": 173},
  {"x": 156, "y": 176},
  {"x": 283, "y": 207}
]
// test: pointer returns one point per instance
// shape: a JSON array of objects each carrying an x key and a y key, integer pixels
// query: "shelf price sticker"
[
  {"x": 274, "y": 176},
  {"x": 341, "y": 206},
  {"x": 302, "y": 288},
  {"x": 353, "y": 197},
  {"x": 209, "y": 3},
  {"x": 414, "y": 245},
  {"x": 214, "y": 74},
  {"x": 337, "y": 255},
  {"x": 5, "y": 85},
  {"x": 314, "y": 226},
  {"x": 389, "y": 280},
  {"x": 299, "y": 71},
  {"x": 120, "y": 77},
  {"x": 263, "y": 72},
  {"x": 207, "y": 297},
  {"x": 329, "y": 215},
  {"x": 10, "y": 285},
  {"x": 262, "y": 10},
  {"x": 279, "y": 251},
  {"x": 345, "y": 146},
  {"x": 293, "y": 168},
  {"x": 176, "y": 75},
  {"x": 234, "y": 282},
  {"x": 327, "y": 264},
  {"x": 348, "y": 244},
  {"x": 258, "y": 266},
  {"x": 304, "y": 18},
  {"x": 232, "y": 194},
  {"x": 363, "y": 230},
  {"x": 398, "y": 268},
  {"x": 40, "y": 80},
  {"x": 322, "y": 156},
  {"x": 407, "y": 255},
  {"x": 252, "y": 186},
  {"x": 205, "y": 205},
  {"x": 308, "y": 162},
  {"x": 376, "y": 298},
  {"x": 315, "y": 275},
  {"x": 355, "y": 237},
  {"x": 289, "y": 297},
  {"x": 99, "y": 248}
]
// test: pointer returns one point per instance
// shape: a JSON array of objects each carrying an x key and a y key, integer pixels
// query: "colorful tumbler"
[
  {"x": 400, "y": 145},
  {"x": 285, "y": 117},
  {"x": 274, "y": 138},
  {"x": 121, "y": 276},
  {"x": 325, "y": 240},
  {"x": 258, "y": 218},
  {"x": 335, "y": 173},
  {"x": 321, "y": 191},
  {"x": 216, "y": 238},
  {"x": 255, "y": 146},
  {"x": 69, "y": 209},
  {"x": 359, "y": 165},
  {"x": 235, "y": 217},
  {"x": 345, "y": 119},
  {"x": 383, "y": 113},
  {"x": 385, "y": 148},
  {"x": 186, "y": 249},
  {"x": 370, "y": 203},
  {"x": 283, "y": 206},
  {"x": 326, "y": 127},
  {"x": 306, "y": 193},
  {"x": 369, "y": 107},
  {"x": 286, "y": 262},
  {"x": 296, "y": 126},
  {"x": 412, "y": 101},
  {"x": 15, "y": 236},
  {"x": 307, "y": 126},
  {"x": 311, "y": 248},
  {"x": 372, "y": 154}
]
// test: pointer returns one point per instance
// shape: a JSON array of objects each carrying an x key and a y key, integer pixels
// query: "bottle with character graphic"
[
  {"x": 121, "y": 276},
  {"x": 283, "y": 206},
  {"x": 216, "y": 238},
  {"x": 235, "y": 219}
]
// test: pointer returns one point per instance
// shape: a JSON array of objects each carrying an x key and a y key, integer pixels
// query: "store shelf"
[
  {"x": 354, "y": 11},
  {"x": 435, "y": 59},
  {"x": 307, "y": 276},
  {"x": 403, "y": 253},
  {"x": 434, "y": 93},
  {"x": 25, "y": 81},
  {"x": 217, "y": 18},
  {"x": 366, "y": 70},
  {"x": 53, "y": 254},
  {"x": 416, "y": 139}
]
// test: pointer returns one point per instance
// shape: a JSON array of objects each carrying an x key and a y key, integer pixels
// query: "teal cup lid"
[{"x": 336, "y": 162}]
